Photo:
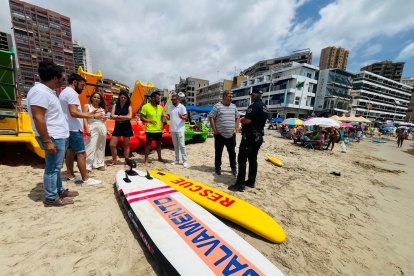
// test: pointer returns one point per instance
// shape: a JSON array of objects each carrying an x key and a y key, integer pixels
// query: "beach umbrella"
[
  {"x": 335, "y": 117},
  {"x": 322, "y": 122},
  {"x": 343, "y": 124},
  {"x": 292, "y": 122}
]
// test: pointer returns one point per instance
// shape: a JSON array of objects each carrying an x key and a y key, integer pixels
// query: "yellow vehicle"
[
  {"x": 92, "y": 82},
  {"x": 138, "y": 95},
  {"x": 15, "y": 124}
]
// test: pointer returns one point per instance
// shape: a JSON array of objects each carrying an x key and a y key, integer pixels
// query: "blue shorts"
[{"x": 76, "y": 142}]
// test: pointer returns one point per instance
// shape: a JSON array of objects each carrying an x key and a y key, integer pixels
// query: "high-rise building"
[
  {"x": 260, "y": 67},
  {"x": 387, "y": 68},
  {"x": 379, "y": 98},
  {"x": 40, "y": 34},
  {"x": 6, "y": 42},
  {"x": 82, "y": 57},
  {"x": 189, "y": 86},
  {"x": 333, "y": 57}
]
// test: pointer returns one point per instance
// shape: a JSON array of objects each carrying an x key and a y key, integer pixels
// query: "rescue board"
[
  {"x": 184, "y": 238},
  {"x": 274, "y": 161},
  {"x": 226, "y": 206}
]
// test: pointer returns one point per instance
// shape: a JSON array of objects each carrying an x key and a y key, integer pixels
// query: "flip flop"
[{"x": 112, "y": 163}]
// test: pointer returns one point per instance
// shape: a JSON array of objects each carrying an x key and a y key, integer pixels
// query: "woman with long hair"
[
  {"x": 122, "y": 114},
  {"x": 96, "y": 133}
]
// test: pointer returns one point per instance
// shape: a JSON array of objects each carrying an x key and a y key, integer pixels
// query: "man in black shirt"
[{"x": 252, "y": 138}]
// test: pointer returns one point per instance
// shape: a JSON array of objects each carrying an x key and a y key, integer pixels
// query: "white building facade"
[
  {"x": 288, "y": 90},
  {"x": 379, "y": 98},
  {"x": 333, "y": 95}
]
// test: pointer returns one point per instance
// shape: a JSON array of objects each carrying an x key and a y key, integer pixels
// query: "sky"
[{"x": 161, "y": 41}]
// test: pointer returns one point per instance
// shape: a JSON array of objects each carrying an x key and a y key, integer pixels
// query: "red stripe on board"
[
  {"x": 150, "y": 196},
  {"x": 146, "y": 190}
]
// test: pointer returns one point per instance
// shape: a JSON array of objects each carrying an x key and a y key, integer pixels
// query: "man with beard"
[
  {"x": 152, "y": 115},
  {"x": 69, "y": 100}
]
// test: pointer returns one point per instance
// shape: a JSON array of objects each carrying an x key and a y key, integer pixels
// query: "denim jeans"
[
  {"x": 179, "y": 145},
  {"x": 230, "y": 143},
  {"x": 52, "y": 180}
]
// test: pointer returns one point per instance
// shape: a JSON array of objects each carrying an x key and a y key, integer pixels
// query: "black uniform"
[{"x": 252, "y": 139}]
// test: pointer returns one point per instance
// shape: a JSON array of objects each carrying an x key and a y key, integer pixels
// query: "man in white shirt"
[
  {"x": 51, "y": 131},
  {"x": 178, "y": 115},
  {"x": 69, "y": 100}
]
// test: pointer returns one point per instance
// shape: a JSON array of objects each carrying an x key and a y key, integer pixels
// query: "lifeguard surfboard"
[
  {"x": 184, "y": 238},
  {"x": 226, "y": 206},
  {"x": 274, "y": 161}
]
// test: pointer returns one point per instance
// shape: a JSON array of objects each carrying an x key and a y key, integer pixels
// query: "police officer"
[{"x": 252, "y": 138}]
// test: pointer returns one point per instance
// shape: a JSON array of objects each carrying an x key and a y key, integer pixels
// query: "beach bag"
[{"x": 343, "y": 146}]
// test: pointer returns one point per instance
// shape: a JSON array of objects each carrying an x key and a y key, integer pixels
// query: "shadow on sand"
[{"x": 16, "y": 154}]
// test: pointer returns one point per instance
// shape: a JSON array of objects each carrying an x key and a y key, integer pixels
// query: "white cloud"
[
  {"x": 372, "y": 50},
  {"x": 407, "y": 52},
  {"x": 351, "y": 24},
  {"x": 160, "y": 41}
]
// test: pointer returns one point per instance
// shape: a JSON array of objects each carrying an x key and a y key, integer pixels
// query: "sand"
[{"x": 359, "y": 223}]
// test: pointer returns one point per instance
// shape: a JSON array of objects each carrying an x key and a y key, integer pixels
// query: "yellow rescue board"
[
  {"x": 274, "y": 161},
  {"x": 225, "y": 205}
]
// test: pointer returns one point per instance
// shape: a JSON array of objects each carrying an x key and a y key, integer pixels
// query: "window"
[
  {"x": 309, "y": 75},
  {"x": 297, "y": 100}
]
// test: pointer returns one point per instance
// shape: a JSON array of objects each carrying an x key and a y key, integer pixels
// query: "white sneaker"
[
  {"x": 75, "y": 179},
  {"x": 175, "y": 163},
  {"x": 91, "y": 182},
  {"x": 185, "y": 164}
]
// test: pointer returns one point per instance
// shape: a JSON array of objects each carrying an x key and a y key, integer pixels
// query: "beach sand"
[{"x": 359, "y": 223}]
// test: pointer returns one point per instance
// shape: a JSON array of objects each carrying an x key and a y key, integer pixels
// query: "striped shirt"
[{"x": 224, "y": 118}]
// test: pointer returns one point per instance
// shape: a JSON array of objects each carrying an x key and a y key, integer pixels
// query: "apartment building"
[
  {"x": 113, "y": 86},
  {"x": 333, "y": 92},
  {"x": 387, "y": 68},
  {"x": 379, "y": 98},
  {"x": 40, "y": 34},
  {"x": 189, "y": 86},
  {"x": 260, "y": 67},
  {"x": 410, "y": 111},
  {"x": 288, "y": 90},
  {"x": 333, "y": 57},
  {"x": 6, "y": 42},
  {"x": 82, "y": 57},
  {"x": 212, "y": 94}
]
